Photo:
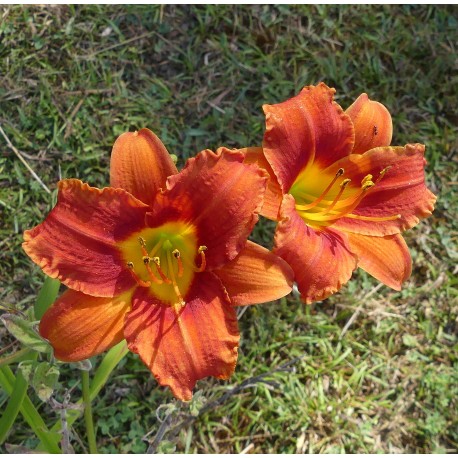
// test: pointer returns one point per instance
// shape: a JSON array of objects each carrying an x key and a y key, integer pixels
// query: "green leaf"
[
  {"x": 48, "y": 439},
  {"x": 14, "y": 404},
  {"x": 47, "y": 295},
  {"x": 27, "y": 369},
  {"x": 45, "y": 380},
  {"x": 24, "y": 332}
]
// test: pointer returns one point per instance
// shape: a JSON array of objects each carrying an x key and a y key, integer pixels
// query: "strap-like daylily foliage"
[
  {"x": 341, "y": 194},
  {"x": 160, "y": 259}
]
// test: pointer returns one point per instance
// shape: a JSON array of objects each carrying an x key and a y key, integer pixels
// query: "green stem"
[{"x": 88, "y": 413}]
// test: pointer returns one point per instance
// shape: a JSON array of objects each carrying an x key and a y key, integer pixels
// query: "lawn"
[{"x": 367, "y": 370}]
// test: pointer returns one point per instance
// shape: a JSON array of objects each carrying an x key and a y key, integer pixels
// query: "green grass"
[{"x": 73, "y": 78}]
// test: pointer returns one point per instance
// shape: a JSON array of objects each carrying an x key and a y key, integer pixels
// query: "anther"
[
  {"x": 382, "y": 173},
  {"x": 203, "y": 260},
  {"x": 140, "y": 282},
  {"x": 367, "y": 185},
  {"x": 340, "y": 172},
  {"x": 366, "y": 179},
  {"x": 164, "y": 277}
]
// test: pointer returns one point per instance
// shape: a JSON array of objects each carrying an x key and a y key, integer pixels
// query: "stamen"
[
  {"x": 343, "y": 185},
  {"x": 174, "y": 281},
  {"x": 146, "y": 261},
  {"x": 339, "y": 173},
  {"x": 382, "y": 173},
  {"x": 140, "y": 282},
  {"x": 177, "y": 256},
  {"x": 366, "y": 179},
  {"x": 164, "y": 277},
  {"x": 345, "y": 206},
  {"x": 203, "y": 260}
]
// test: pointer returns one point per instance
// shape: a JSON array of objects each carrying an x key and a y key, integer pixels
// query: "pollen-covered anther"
[
  {"x": 164, "y": 277},
  {"x": 177, "y": 256},
  {"x": 203, "y": 261},
  {"x": 382, "y": 173},
  {"x": 140, "y": 282},
  {"x": 366, "y": 179}
]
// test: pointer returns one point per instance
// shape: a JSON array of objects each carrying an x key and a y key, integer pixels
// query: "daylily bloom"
[
  {"x": 341, "y": 194},
  {"x": 162, "y": 268}
]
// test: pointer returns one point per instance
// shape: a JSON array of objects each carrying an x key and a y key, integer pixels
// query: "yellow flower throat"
[
  {"x": 335, "y": 200},
  {"x": 163, "y": 259}
]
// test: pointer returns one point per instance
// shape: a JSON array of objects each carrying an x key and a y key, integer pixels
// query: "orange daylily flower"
[
  {"x": 341, "y": 194},
  {"x": 162, "y": 268}
]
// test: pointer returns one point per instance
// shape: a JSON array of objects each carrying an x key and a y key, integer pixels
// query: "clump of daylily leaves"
[{"x": 160, "y": 258}]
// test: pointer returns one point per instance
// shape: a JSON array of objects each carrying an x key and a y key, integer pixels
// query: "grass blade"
[
  {"x": 49, "y": 440},
  {"x": 47, "y": 295},
  {"x": 14, "y": 404}
]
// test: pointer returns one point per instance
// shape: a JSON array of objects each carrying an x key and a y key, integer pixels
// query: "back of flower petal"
[
  {"x": 273, "y": 195},
  {"x": 256, "y": 275},
  {"x": 79, "y": 326},
  {"x": 140, "y": 164},
  {"x": 181, "y": 345},
  {"x": 372, "y": 122},
  {"x": 385, "y": 258},
  {"x": 77, "y": 242}
]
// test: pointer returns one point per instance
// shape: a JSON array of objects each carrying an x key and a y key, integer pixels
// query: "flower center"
[
  {"x": 165, "y": 260},
  {"x": 320, "y": 201}
]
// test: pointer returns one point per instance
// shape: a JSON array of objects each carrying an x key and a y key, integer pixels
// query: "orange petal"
[
  {"x": 372, "y": 122},
  {"x": 385, "y": 258},
  {"x": 308, "y": 127},
  {"x": 80, "y": 326},
  {"x": 401, "y": 191},
  {"x": 220, "y": 196},
  {"x": 140, "y": 164},
  {"x": 181, "y": 346},
  {"x": 255, "y": 276},
  {"x": 273, "y": 195},
  {"x": 321, "y": 259},
  {"x": 77, "y": 241}
]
